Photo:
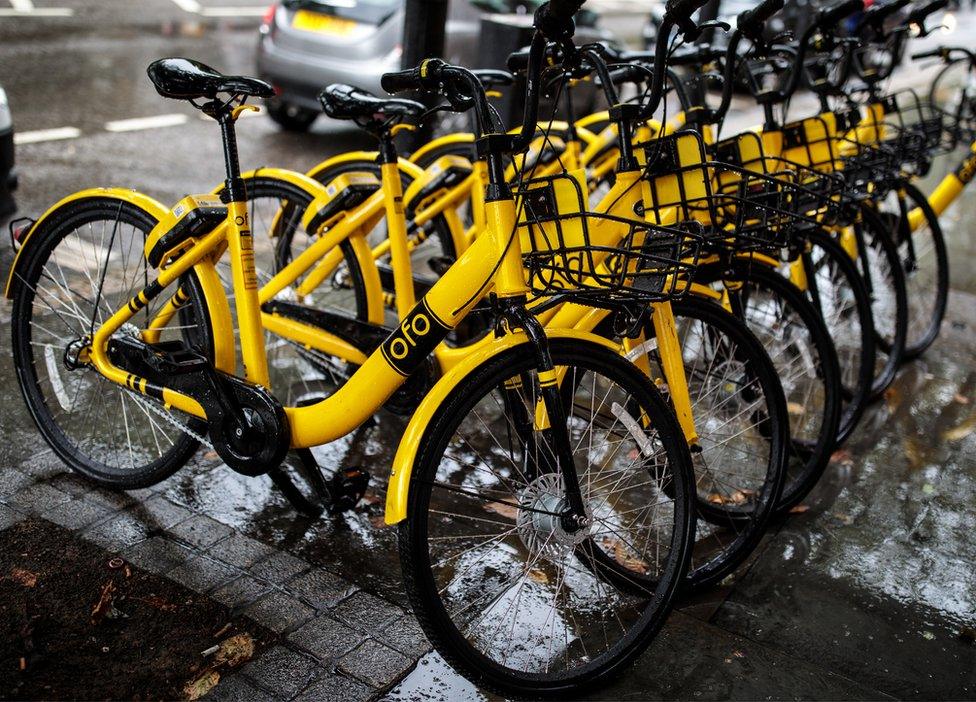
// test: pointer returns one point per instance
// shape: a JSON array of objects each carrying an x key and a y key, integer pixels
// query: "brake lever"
[{"x": 714, "y": 24}]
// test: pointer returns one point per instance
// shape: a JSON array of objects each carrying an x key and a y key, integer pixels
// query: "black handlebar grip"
[
  {"x": 918, "y": 15},
  {"x": 751, "y": 22},
  {"x": 401, "y": 81},
  {"x": 832, "y": 15}
]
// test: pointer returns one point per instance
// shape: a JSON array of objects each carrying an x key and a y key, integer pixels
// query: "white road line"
[
  {"x": 22, "y": 5},
  {"x": 233, "y": 11},
  {"x": 187, "y": 5},
  {"x": 139, "y": 123},
  {"x": 37, "y": 12},
  {"x": 46, "y": 135}
]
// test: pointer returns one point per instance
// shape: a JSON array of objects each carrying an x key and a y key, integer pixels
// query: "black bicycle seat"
[
  {"x": 341, "y": 101},
  {"x": 493, "y": 78},
  {"x": 186, "y": 79}
]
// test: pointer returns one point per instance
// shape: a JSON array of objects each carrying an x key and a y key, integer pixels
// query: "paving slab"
[
  {"x": 200, "y": 531},
  {"x": 280, "y": 611},
  {"x": 335, "y": 688},
  {"x": 240, "y": 592},
  {"x": 239, "y": 551},
  {"x": 320, "y": 588},
  {"x": 118, "y": 532},
  {"x": 362, "y": 610},
  {"x": 202, "y": 574},
  {"x": 325, "y": 638},
  {"x": 281, "y": 671},
  {"x": 279, "y": 568},
  {"x": 375, "y": 664},
  {"x": 237, "y": 688},
  {"x": 77, "y": 514},
  {"x": 157, "y": 554}
]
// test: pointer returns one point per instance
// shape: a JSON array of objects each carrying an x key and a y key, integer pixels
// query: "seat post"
[{"x": 234, "y": 185}]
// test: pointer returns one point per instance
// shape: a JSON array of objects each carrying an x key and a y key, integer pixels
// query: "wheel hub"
[{"x": 540, "y": 521}]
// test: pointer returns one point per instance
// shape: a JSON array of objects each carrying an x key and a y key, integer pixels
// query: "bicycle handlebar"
[
  {"x": 751, "y": 22},
  {"x": 919, "y": 14}
]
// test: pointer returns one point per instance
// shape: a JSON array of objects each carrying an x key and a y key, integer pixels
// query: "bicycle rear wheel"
[
  {"x": 507, "y": 596},
  {"x": 86, "y": 262}
]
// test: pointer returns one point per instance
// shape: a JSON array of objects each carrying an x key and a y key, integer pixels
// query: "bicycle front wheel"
[
  {"x": 925, "y": 262},
  {"x": 506, "y": 594}
]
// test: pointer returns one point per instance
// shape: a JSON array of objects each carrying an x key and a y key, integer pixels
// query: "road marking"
[
  {"x": 46, "y": 135},
  {"x": 37, "y": 12},
  {"x": 22, "y": 5},
  {"x": 139, "y": 123},
  {"x": 233, "y": 11},
  {"x": 187, "y": 5}
]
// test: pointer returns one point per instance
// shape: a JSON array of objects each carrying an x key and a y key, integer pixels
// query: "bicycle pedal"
[{"x": 347, "y": 488}]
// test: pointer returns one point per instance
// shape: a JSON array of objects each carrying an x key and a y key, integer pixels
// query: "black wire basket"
[
  {"x": 768, "y": 201},
  {"x": 598, "y": 258},
  {"x": 898, "y": 136}
]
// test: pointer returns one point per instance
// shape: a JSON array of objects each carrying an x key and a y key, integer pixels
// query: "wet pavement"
[{"x": 869, "y": 593}]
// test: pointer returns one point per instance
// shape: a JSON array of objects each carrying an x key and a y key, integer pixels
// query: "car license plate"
[{"x": 322, "y": 24}]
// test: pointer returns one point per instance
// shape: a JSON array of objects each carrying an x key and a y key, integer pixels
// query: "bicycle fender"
[
  {"x": 406, "y": 455},
  {"x": 151, "y": 205},
  {"x": 461, "y": 138},
  {"x": 411, "y": 169}
]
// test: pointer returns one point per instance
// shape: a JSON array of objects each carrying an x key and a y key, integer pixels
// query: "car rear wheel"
[{"x": 291, "y": 117}]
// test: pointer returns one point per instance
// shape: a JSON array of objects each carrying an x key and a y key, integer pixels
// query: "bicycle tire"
[
  {"x": 56, "y": 227},
  {"x": 415, "y": 539}
]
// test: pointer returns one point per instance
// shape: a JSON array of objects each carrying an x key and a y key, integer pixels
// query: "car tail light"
[{"x": 269, "y": 14}]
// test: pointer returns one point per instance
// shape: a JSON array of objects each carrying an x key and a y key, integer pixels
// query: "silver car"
[
  {"x": 8, "y": 177},
  {"x": 307, "y": 44}
]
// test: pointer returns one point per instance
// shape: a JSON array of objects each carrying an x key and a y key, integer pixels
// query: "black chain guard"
[{"x": 246, "y": 424}]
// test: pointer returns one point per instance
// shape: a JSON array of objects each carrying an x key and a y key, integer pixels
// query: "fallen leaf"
[
  {"x": 736, "y": 497},
  {"x": 538, "y": 576},
  {"x": 961, "y": 430},
  {"x": 235, "y": 650},
  {"x": 378, "y": 521},
  {"x": 504, "y": 510},
  {"x": 960, "y": 398},
  {"x": 892, "y": 398},
  {"x": 104, "y": 604},
  {"x": 842, "y": 456},
  {"x": 24, "y": 577},
  {"x": 624, "y": 557},
  {"x": 202, "y": 685},
  {"x": 928, "y": 488},
  {"x": 799, "y": 509},
  {"x": 795, "y": 408},
  {"x": 157, "y": 602}
]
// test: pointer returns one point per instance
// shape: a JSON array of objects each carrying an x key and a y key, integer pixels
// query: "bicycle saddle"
[
  {"x": 341, "y": 101},
  {"x": 491, "y": 78},
  {"x": 186, "y": 79}
]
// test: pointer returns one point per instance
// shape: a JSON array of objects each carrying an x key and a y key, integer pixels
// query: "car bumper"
[
  {"x": 298, "y": 78},
  {"x": 8, "y": 177}
]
